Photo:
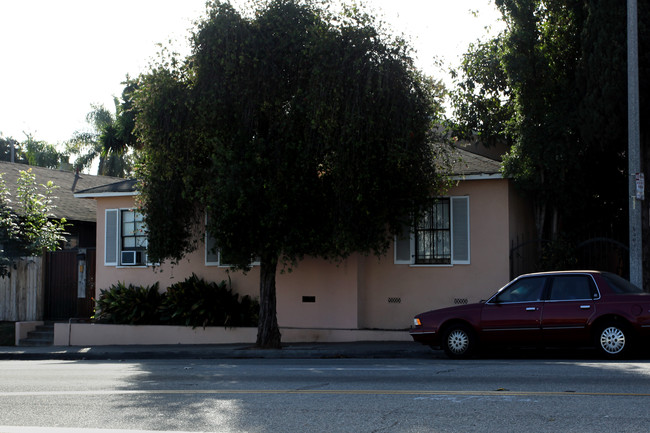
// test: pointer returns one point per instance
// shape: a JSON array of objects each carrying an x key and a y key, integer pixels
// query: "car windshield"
[
  {"x": 620, "y": 285},
  {"x": 528, "y": 289}
]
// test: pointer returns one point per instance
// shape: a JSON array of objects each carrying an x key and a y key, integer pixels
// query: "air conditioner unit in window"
[{"x": 131, "y": 258}]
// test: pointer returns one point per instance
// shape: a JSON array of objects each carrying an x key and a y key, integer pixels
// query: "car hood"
[{"x": 457, "y": 310}]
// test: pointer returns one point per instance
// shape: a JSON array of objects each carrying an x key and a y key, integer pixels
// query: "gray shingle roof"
[
  {"x": 465, "y": 164},
  {"x": 472, "y": 164},
  {"x": 67, "y": 206},
  {"x": 122, "y": 187}
]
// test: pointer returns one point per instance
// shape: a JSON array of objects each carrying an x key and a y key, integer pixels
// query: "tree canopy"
[
  {"x": 297, "y": 131},
  {"x": 32, "y": 152},
  {"x": 6, "y": 146},
  {"x": 553, "y": 85}
]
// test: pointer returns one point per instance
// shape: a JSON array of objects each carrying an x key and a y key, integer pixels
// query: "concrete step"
[{"x": 43, "y": 335}]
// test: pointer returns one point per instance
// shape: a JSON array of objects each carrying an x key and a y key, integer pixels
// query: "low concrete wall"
[
  {"x": 23, "y": 328},
  {"x": 93, "y": 334}
]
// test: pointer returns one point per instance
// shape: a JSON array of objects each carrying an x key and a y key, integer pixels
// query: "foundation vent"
[
  {"x": 461, "y": 301},
  {"x": 395, "y": 300}
]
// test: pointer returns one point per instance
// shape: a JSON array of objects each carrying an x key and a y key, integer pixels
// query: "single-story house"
[
  {"x": 80, "y": 214},
  {"x": 47, "y": 288},
  {"x": 466, "y": 260}
]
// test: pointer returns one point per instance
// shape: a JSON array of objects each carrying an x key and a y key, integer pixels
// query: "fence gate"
[
  {"x": 65, "y": 298},
  {"x": 596, "y": 253}
]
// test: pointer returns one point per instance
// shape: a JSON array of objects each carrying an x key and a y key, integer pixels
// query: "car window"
[
  {"x": 571, "y": 287},
  {"x": 522, "y": 290},
  {"x": 620, "y": 285}
]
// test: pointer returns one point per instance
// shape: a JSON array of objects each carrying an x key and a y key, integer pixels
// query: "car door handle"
[
  {"x": 531, "y": 308},
  {"x": 585, "y": 307}
]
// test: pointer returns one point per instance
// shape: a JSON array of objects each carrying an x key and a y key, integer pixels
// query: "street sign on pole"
[{"x": 640, "y": 186}]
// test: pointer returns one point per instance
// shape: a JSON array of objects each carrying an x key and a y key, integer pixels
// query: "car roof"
[{"x": 560, "y": 273}]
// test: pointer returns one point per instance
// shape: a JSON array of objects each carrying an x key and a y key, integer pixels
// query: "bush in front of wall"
[
  {"x": 132, "y": 305},
  {"x": 195, "y": 302}
]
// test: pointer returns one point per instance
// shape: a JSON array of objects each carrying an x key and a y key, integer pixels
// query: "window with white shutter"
[
  {"x": 440, "y": 237},
  {"x": 125, "y": 238}
]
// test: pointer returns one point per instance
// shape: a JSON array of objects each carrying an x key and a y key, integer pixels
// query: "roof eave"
[
  {"x": 477, "y": 176},
  {"x": 106, "y": 194}
]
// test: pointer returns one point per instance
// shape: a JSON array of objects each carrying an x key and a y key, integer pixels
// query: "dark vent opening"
[{"x": 309, "y": 299}]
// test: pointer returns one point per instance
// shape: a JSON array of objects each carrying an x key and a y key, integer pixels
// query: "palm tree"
[{"x": 111, "y": 137}]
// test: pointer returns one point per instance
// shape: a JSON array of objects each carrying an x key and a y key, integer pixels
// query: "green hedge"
[{"x": 193, "y": 302}]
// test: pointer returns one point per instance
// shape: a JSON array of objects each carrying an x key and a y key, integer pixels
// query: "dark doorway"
[{"x": 64, "y": 299}]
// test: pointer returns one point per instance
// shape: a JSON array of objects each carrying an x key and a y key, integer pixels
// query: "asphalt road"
[{"x": 333, "y": 395}]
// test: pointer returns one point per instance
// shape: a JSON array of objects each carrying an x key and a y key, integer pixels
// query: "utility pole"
[{"x": 635, "y": 189}]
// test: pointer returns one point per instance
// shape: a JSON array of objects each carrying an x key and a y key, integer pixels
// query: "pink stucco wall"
[
  {"x": 421, "y": 288},
  {"x": 362, "y": 292},
  {"x": 166, "y": 274}
]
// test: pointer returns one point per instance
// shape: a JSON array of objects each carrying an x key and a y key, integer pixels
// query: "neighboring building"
[
  {"x": 458, "y": 255},
  {"x": 49, "y": 287},
  {"x": 80, "y": 214}
]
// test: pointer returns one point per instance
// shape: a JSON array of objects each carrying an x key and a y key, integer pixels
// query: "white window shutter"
[
  {"x": 111, "y": 233},
  {"x": 460, "y": 230},
  {"x": 211, "y": 253},
  {"x": 403, "y": 247}
]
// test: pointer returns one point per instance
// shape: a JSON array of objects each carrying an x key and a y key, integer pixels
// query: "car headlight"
[{"x": 417, "y": 322}]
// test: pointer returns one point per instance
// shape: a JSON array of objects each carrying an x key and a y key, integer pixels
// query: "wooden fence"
[{"x": 21, "y": 293}]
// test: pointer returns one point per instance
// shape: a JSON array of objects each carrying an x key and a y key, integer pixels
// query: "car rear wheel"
[
  {"x": 613, "y": 339},
  {"x": 458, "y": 341}
]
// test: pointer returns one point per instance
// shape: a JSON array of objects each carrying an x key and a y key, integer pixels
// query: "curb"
[{"x": 361, "y": 350}]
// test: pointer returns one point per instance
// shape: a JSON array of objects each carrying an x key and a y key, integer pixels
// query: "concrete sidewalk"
[{"x": 387, "y": 349}]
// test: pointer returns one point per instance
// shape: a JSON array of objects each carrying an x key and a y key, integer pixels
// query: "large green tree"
[
  {"x": 540, "y": 55},
  {"x": 553, "y": 85},
  {"x": 295, "y": 130}
]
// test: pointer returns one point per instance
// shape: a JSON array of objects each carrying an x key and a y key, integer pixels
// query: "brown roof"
[{"x": 67, "y": 206}]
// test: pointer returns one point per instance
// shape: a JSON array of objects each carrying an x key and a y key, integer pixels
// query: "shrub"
[
  {"x": 133, "y": 305},
  {"x": 195, "y": 302}
]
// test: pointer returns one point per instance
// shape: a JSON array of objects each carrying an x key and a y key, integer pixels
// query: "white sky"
[{"x": 57, "y": 57}]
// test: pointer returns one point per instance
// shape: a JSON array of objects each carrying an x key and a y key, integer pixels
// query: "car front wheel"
[
  {"x": 458, "y": 341},
  {"x": 613, "y": 339}
]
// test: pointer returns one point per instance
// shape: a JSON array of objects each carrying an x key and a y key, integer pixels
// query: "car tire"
[
  {"x": 458, "y": 341},
  {"x": 613, "y": 339}
]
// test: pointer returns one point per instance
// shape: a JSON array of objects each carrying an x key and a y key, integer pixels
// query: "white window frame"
[
  {"x": 460, "y": 238},
  {"x": 113, "y": 239}
]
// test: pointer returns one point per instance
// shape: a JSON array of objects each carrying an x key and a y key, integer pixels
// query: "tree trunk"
[{"x": 268, "y": 332}]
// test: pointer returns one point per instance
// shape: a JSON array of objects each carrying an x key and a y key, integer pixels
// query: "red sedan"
[{"x": 544, "y": 309}]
